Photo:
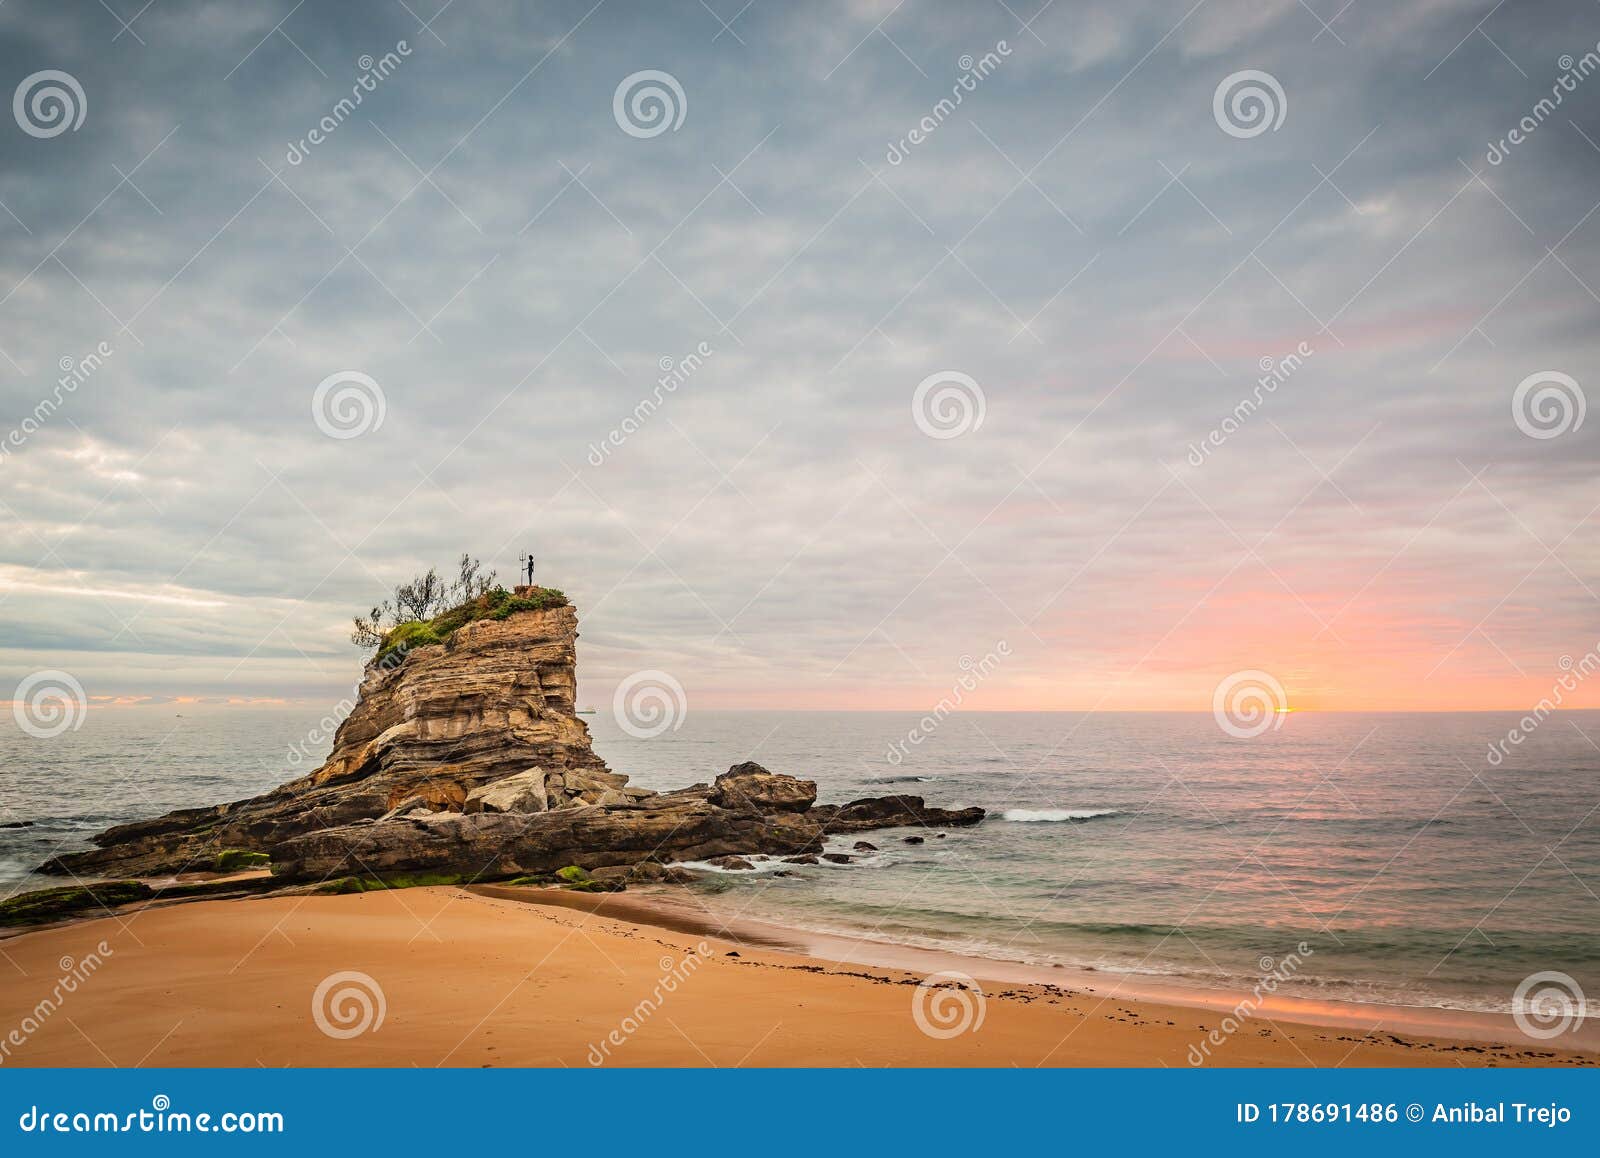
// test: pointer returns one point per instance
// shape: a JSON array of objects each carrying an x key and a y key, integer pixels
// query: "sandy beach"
[{"x": 475, "y": 979}]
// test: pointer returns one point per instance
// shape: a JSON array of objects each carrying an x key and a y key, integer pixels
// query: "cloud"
[{"x": 1079, "y": 236}]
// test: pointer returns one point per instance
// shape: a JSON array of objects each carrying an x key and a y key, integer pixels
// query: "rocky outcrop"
[
  {"x": 466, "y": 758},
  {"x": 490, "y": 846},
  {"x": 749, "y": 785},
  {"x": 493, "y": 701},
  {"x": 891, "y": 812}
]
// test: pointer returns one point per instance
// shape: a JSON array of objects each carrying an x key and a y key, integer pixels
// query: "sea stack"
[{"x": 463, "y": 753}]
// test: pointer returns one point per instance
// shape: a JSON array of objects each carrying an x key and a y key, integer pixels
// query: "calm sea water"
[{"x": 1148, "y": 843}]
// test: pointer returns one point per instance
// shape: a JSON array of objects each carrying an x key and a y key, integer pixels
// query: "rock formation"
[{"x": 466, "y": 757}]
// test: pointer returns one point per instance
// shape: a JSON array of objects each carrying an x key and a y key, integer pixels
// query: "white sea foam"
[{"x": 1056, "y": 815}]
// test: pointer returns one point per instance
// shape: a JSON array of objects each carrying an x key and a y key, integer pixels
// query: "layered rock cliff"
[{"x": 466, "y": 756}]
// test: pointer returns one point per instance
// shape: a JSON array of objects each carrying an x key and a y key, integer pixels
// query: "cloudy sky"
[{"x": 1092, "y": 255}]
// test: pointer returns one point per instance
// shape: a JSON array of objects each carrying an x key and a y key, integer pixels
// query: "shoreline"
[
  {"x": 683, "y": 912},
  {"x": 471, "y": 978}
]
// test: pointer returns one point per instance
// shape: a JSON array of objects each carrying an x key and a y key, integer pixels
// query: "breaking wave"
[{"x": 1056, "y": 815}]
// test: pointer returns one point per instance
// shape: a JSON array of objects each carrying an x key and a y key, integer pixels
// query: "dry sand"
[{"x": 469, "y": 979}]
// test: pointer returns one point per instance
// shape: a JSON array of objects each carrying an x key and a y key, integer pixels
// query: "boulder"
[
  {"x": 751, "y": 786},
  {"x": 523, "y": 792},
  {"x": 838, "y": 858},
  {"x": 645, "y": 872},
  {"x": 864, "y": 846},
  {"x": 730, "y": 862}
]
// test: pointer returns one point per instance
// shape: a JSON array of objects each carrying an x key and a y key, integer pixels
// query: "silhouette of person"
[{"x": 530, "y": 570}]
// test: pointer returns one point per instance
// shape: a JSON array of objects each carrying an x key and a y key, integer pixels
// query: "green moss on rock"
[
  {"x": 52, "y": 904},
  {"x": 233, "y": 859},
  {"x": 344, "y": 885}
]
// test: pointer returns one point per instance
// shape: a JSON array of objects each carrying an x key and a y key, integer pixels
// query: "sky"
[{"x": 955, "y": 386}]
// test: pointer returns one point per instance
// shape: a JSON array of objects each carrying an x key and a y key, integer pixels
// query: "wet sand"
[{"x": 482, "y": 978}]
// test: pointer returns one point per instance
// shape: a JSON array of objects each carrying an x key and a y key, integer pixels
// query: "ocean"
[{"x": 1362, "y": 857}]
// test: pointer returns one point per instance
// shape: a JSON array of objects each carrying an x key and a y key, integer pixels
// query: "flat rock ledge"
[{"x": 745, "y": 811}]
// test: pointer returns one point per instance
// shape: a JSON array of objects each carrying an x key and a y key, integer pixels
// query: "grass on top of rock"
[{"x": 497, "y": 603}]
